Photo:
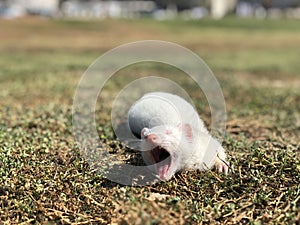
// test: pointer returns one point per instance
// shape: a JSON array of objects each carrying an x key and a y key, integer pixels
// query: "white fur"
[{"x": 179, "y": 130}]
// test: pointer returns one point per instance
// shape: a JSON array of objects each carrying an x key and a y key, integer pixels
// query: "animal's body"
[{"x": 173, "y": 137}]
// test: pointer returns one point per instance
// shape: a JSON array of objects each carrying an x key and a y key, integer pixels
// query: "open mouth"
[{"x": 163, "y": 160}]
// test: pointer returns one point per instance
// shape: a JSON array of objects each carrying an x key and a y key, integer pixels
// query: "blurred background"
[
  {"x": 160, "y": 9},
  {"x": 47, "y": 45}
]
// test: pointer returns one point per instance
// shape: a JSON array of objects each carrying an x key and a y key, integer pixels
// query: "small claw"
[
  {"x": 222, "y": 167},
  {"x": 225, "y": 168}
]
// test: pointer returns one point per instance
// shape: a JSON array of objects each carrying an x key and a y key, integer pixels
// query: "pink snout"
[{"x": 152, "y": 138}]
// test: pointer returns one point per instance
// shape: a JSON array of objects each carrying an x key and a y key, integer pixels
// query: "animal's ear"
[
  {"x": 145, "y": 131},
  {"x": 187, "y": 131}
]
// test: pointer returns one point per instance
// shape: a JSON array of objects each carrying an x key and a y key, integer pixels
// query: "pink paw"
[{"x": 222, "y": 167}]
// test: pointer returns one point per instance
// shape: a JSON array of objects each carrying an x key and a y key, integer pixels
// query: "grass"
[{"x": 44, "y": 178}]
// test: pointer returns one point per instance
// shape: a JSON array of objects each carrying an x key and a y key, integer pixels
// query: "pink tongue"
[{"x": 162, "y": 171}]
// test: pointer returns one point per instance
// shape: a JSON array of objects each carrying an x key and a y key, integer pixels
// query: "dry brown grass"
[{"x": 44, "y": 178}]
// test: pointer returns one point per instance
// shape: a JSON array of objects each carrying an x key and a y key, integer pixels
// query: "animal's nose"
[{"x": 152, "y": 137}]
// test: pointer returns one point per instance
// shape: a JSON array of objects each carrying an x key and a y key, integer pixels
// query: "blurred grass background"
[{"x": 43, "y": 176}]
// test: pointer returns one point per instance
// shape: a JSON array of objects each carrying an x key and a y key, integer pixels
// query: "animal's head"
[{"x": 165, "y": 146}]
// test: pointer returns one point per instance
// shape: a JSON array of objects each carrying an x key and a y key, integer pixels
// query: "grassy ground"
[{"x": 44, "y": 179}]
